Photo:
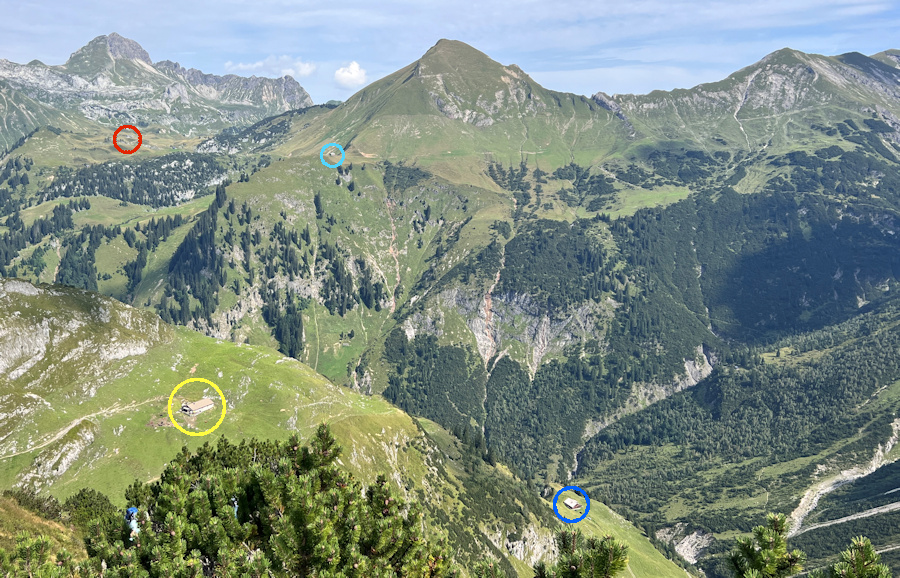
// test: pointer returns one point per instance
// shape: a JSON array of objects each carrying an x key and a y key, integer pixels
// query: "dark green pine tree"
[
  {"x": 34, "y": 556},
  {"x": 766, "y": 554},
  {"x": 860, "y": 560},
  {"x": 581, "y": 557}
]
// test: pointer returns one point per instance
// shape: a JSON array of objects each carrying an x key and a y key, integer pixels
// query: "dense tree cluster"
[
  {"x": 285, "y": 315},
  {"x": 398, "y": 177},
  {"x": 14, "y": 174},
  {"x": 158, "y": 182},
  {"x": 18, "y": 236},
  {"x": 768, "y": 264},
  {"x": 371, "y": 291},
  {"x": 197, "y": 269},
  {"x": 338, "y": 293},
  {"x": 597, "y": 187},
  {"x": 525, "y": 420},
  {"x": 254, "y": 509},
  {"x": 426, "y": 376},
  {"x": 558, "y": 266},
  {"x": 683, "y": 166}
]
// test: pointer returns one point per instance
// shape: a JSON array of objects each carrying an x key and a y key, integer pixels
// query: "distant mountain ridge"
[
  {"x": 748, "y": 104},
  {"x": 112, "y": 79}
]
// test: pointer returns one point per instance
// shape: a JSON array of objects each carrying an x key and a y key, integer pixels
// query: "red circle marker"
[{"x": 116, "y": 134}]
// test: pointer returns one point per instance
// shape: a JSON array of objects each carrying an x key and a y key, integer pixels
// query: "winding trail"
[{"x": 114, "y": 408}]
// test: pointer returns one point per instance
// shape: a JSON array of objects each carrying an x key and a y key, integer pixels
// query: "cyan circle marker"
[
  {"x": 586, "y": 509},
  {"x": 322, "y": 155}
]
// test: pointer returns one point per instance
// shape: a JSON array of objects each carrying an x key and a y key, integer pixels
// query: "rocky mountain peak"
[
  {"x": 121, "y": 47},
  {"x": 102, "y": 51}
]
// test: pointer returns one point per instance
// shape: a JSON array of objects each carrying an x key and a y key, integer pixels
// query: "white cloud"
[
  {"x": 273, "y": 66},
  {"x": 351, "y": 76}
]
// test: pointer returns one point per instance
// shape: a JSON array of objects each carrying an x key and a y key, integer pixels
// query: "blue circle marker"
[
  {"x": 580, "y": 491},
  {"x": 322, "y": 155}
]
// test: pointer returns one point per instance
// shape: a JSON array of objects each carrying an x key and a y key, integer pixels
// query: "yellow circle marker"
[{"x": 202, "y": 433}]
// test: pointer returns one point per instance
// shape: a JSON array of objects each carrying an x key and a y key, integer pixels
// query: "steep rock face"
[
  {"x": 113, "y": 78},
  {"x": 690, "y": 546},
  {"x": 121, "y": 47},
  {"x": 532, "y": 545},
  {"x": 511, "y": 324}
]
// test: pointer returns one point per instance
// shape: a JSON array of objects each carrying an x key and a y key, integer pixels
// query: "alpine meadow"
[{"x": 683, "y": 303}]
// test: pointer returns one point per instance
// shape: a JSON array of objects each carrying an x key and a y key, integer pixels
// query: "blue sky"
[{"x": 334, "y": 48}]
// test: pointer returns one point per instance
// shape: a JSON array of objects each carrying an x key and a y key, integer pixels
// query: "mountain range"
[
  {"x": 112, "y": 81},
  {"x": 682, "y": 302}
]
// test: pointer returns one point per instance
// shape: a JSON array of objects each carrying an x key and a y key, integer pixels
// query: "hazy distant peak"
[
  {"x": 104, "y": 48},
  {"x": 102, "y": 52},
  {"x": 121, "y": 47}
]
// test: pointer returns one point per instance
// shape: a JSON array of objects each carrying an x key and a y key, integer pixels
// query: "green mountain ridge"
[
  {"x": 454, "y": 106},
  {"x": 763, "y": 104}
]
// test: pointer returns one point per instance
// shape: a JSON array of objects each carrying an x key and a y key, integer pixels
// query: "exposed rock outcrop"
[{"x": 690, "y": 546}]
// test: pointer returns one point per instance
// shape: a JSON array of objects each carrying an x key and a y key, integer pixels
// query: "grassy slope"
[
  {"x": 93, "y": 143},
  {"x": 15, "y": 519},
  {"x": 643, "y": 558},
  {"x": 268, "y": 396}
]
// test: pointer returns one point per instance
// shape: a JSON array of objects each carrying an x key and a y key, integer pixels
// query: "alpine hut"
[{"x": 197, "y": 407}]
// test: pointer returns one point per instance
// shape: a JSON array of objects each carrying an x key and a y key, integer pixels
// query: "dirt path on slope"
[{"x": 114, "y": 408}]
